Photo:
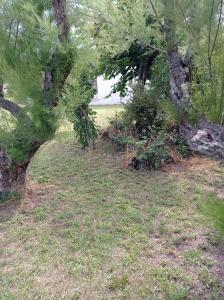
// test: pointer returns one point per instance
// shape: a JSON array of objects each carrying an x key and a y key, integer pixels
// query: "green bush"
[
  {"x": 143, "y": 113},
  {"x": 117, "y": 122},
  {"x": 162, "y": 149},
  {"x": 142, "y": 129},
  {"x": 155, "y": 155}
]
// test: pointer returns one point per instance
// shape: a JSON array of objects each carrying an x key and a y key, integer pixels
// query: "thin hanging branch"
[
  {"x": 218, "y": 28},
  {"x": 155, "y": 12},
  {"x": 153, "y": 8},
  {"x": 209, "y": 39},
  {"x": 17, "y": 34},
  {"x": 10, "y": 30}
]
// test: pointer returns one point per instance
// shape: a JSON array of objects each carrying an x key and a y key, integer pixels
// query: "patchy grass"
[{"x": 89, "y": 228}]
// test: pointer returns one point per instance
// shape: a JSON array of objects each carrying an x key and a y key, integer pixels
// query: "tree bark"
[
  {"x": 179, "y": 71},
  {"x": 12, "y": 174},
  {"x": 204, "y": 137},
  {"x": 11, "y": 177},
  {"x": 61, "y": 19}
]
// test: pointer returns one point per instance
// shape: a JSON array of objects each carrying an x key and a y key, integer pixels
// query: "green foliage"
[
  {"x": 77, "y": 96},
  {"x": 159, "y": 77},
  {"x": 30, "y": 46},
  {"x": 84, "y": 125},
  {"x": 155, "y": 155},
  {"x": 142, "y": 129},
  {"x": 165, "y": 148},
  {"x": 198, "y": 29},
  {"x": 143, "y": 113},
  {"x": 117, "y": 122},
  {"x": 160, "y": 147},
  {"x": 133, "y": 63}
]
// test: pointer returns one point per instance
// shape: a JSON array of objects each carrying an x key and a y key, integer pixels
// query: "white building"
[{"x": 104, "y": 88}]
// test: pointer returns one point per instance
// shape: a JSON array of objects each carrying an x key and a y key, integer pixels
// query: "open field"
[
  {"x": 103, "y": 115},
  {"x": 89, "y": 228},
  {"x": 105, "y": 112}
]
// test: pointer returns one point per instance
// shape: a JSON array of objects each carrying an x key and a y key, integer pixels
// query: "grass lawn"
[
  {"x": 105, "y": 112},
  {"x": 89, "y": 228},
  {"x": 103, "y": 115}
]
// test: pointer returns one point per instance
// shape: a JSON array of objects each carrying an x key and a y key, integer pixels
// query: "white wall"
[{"x": 104, "y": 89}]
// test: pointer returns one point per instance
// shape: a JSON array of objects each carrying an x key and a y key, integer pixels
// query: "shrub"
[
  {"x": 155, "y": 155},
  {"x": 117, "y": 122},
  {"x": 140, "y": 130},
  {"x": 168, "y": 146},
  {"x": 143, "y": 113}
]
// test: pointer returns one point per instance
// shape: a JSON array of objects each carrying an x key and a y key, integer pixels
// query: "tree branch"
[
  {"x": 218, "y": 28},
  {"x": 126, "y": 32},
  {"x": 17, "y": 34},
  {"x": 155, "y": 12},
  {"x": 15, "y": 110}
]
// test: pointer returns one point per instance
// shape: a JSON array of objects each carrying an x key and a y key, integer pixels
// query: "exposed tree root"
[{"x": 206, "y": 138}]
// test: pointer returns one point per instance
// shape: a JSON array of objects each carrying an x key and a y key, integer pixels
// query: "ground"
[{"x": 90, "y": 228}]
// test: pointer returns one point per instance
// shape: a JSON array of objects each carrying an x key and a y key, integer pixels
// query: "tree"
[
  {"x": 36, "y": 60},
  {"x": 204, "y": 137},
  {"x": 190, "y": 34},
  {"x": 133, "y": 63}
]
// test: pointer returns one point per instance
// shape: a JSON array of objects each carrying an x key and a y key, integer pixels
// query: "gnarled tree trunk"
[
  {"x": 204, "y": 137},
  {"x": 179, "y": 72},
  {"x": 12, "y": 176}
]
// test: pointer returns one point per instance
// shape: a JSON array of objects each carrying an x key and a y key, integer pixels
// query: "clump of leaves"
[
  {"x": 165, "y": 148},
  {"x": 141, "y": 130},
  {"x": 160, "y": 148},
  {"x": 84, "y": 125},
  {"x": 77, "y": 97},
  {"x": 143, "y": 113}
]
